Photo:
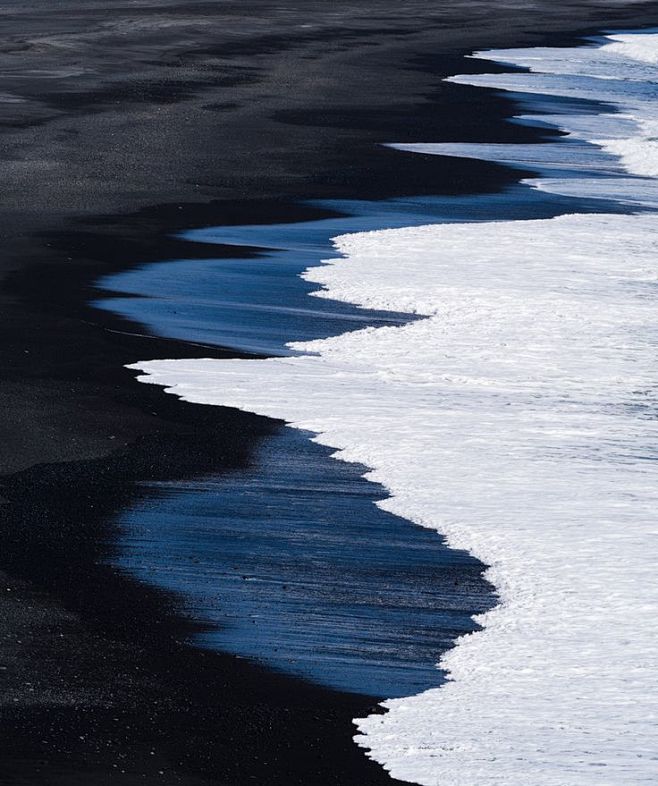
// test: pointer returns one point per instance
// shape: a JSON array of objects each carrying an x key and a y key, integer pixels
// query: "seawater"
[
  {"x": 260, "y": 304},
  {"x": 518, "y": 419},
  {"x": 374, "y": 620},
  {"x": 290, "y": 563}
]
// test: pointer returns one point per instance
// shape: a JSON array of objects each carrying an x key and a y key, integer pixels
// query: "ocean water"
[
  {"x": 260, "y": 304},
  {"x": 372, "y": 621},
  {"x": 291, "y": 564},
  {"x": 182, "y": 535},
  {"x": 517, "y": 419}
]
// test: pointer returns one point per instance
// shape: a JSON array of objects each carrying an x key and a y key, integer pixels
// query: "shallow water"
[
  {"x": 260, "y": 304},
  {"x": 390, "y": 598},
  {"x": 297, "y": 568},
  {"x": 515, "y": 420},
  {"x": 291, "y": 562}
]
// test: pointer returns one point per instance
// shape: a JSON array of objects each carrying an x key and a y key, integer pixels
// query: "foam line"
[
  {"x": 619, "y": 74},
  {"x": 519, "y": 420}
]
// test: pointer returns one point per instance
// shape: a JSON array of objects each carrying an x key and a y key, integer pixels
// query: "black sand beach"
[{"x": 123, "y": 122}]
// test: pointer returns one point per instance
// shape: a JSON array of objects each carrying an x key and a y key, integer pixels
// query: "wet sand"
[{"x": 122, "y": 123}]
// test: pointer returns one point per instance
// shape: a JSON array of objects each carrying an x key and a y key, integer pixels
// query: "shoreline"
[
  {"x": 526, "y": 392},
  {"x": 78, "y": 367}
]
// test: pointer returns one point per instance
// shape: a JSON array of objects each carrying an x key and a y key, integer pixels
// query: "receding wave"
[{"x": 519, "y": 420}]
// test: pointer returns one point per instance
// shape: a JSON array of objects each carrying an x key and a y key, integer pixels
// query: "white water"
[{"x": 519, "y": 419}]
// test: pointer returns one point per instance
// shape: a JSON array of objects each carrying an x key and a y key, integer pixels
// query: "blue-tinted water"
[
  {"x": 259, "y": 304},
  {"x": 291, "y": 562},
  {"x": 297, "y": 568}
]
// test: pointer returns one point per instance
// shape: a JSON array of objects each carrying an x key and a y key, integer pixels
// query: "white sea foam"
[
  {"x": 518, "y": 419},
  {"x": 634, "y": 46},
  {"x": 620, "y": 74}
]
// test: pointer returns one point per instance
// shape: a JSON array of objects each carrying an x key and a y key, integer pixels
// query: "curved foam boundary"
[{"x": 518, "y": 419}]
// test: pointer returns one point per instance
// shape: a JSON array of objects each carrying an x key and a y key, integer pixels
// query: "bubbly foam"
[
  {"x": 519, "y": 420},
  {"x": 624, "y": 130}
]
